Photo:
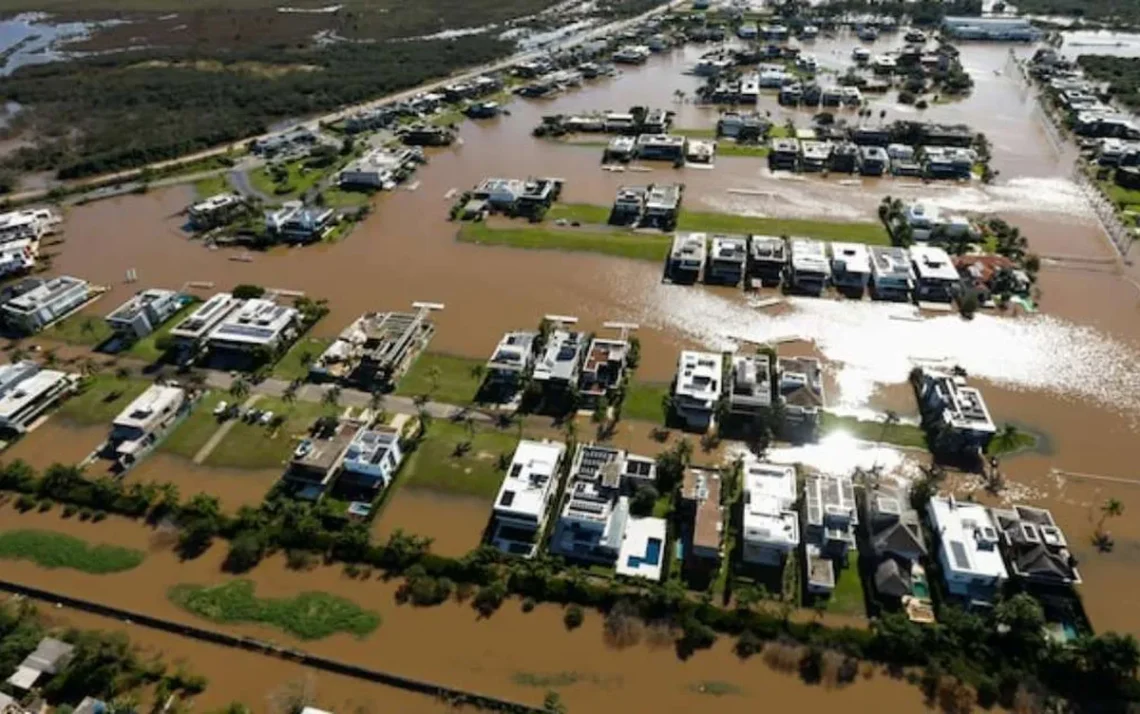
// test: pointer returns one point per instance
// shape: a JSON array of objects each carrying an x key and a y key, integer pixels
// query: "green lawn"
[
  {"x": 299, "y": 179},
  {"x": 339, "y": 198},
  {"x": 446, "y": 378},
  {"x": 1123, "y": 197},
  {"x": 871, "y": 233},
  {"x": 56, "y": 550},
  {"x": 147, "y": 348},
  {"x": 847, "y": 598},
  {"x": 80, "y": 329},
  {"x": 211, "y": 186},
  {"x": 643, "y": 401},
  {"x": 436, "y": 466},
  {"x": 196, "y": 429},
  {"x": 729, "y": 148},
  {"x": 582, "y": 212},
  {"x": 101, "y": 398},
  {"x": 295, "y": 363},
  {"x": 906, "y": 435},
  {"x": 309, "y": 615},
  {"x": 624, "y": 244},
  {"x": 779, "y": 131},
  {"x": 695, "y": 133},
  {"x": 252, "y": 446}
]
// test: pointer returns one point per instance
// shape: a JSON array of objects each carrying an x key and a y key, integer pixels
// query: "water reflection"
[{"x": 840, "y": 454}]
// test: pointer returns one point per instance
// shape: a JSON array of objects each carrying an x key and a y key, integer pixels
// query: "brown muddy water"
[
  {"x": 57, "y": 442},
  {"x": 1067, "y": 372},
  {"x": 454, "y": 523},
  {"x": 512, "y": 654},
  {"x": 233, "y": 487}
]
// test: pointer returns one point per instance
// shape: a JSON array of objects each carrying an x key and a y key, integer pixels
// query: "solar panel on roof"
[{"x": 958, "y": 550}]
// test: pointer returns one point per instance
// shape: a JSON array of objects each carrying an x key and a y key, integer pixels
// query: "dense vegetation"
[
  {"x": 1003, "y": 655},
  {"x": 126, "y": 109},
  {"x": 922, "y": 12},
  {"x": 1121, "y": 73},
  {"x": 49, "y": 549},
  {"x": 1113, "y": 12}
]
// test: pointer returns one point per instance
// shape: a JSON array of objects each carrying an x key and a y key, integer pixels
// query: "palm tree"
[
  {"x": 290, "y": 393},
  {"x": 51, "y": 358},
  {"x": 240, "y": 388},
  {"x": 477, "y": 372},
  {"x": 331, "y": 397},
  {"x": 123, "y": 374},
  {"x": 1102, "y": 539},
  {"x": 87, "y": 367},
  {"x": 570, "y": 427},
  {"x": 376, "y": 400},
  {"x": 19, "y": 354},
  {"x": 433, "y": 375}
]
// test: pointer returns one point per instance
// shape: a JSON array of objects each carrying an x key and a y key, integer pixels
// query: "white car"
[
  {"x": 266, "y": 418},
  {"x": 221, "y": 408}
]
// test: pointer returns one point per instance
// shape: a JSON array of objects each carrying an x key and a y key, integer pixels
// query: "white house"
[
  {"x": 256, "y": 323},
  {"x": 926, "y": 218},
  {"x": 45, "y": 303},
  {"x": 801, "y": 392},
  {"x": 295, "y": 221},
  {"x": 750, "y": 392},
  {"x": 698, "y": 387},
  {"x": 809, "y": 268},
  {"x": 372, "y": 458},
  {"x": 30, "y": 224},
  {"x": 18, "y": 256},
  {"x": 936, "y": 278},
  {"x": 687, "y": 257},
  {"x": 850, "y": 267},
  {"x": 138, "y": 427},
  {"x": 643, "y": 548},
  {"x": 561, "y": 358},
  {"x": 525, "y": 497},
  {"x": 26, "y": 392},
  {"x": 512, "y": 358},
  {"x": 194, "y": 328},
  {"x": 144, "y": 313},
  {"x": 972, "y": 564},
  {"x": 891, "y": 274},
  {"x": 378, "y": 168},
  {"x": 771, "y": 524},
  {"x": 215, "y": 210}
]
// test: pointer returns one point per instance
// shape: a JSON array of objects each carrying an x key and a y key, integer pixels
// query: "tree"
[
  {"x": 1024, "y": 620},
  {"x": 573, "y": 617},
  {"x": 643, "y": 500},
  {"x": 1102, "y": 539},
  {"x": 968, "y": 303},
  {"x": 433, "y": 374},
  {"x": 246, "y": 551},
  {"x": 290, "y": 394},
  {"x": 247, "y": 292},
  {"x": 240, "y": 388},
  {"x": 331, "y": 397},
  {"x": 51, "y": 358},
  {"x": 552, "y": 704},
  {"x": 376, "y": 401},
  {"x": 478, "y": 370}
]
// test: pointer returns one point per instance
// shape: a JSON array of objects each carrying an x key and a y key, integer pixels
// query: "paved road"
[{"x": 333, "y": 116}]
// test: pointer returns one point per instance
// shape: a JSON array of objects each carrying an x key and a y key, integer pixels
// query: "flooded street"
[{"x": 1067, "y": 373}]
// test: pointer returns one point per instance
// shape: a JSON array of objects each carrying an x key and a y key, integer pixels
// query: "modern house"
[
  {"x": 427, "y": 135},
  {"x": 217, "y": 210},
  {"x": 49, "y": 658},
  {"x": 595, "y": 514},
  {"x": 191, "y": 332},
  {"x": 750, "y": 392},
  {"x": 620, "y": 148},
  {"x": 767, "y": 259},
  {"x": 873, "y": 160},
  {"x": 662, "y": 205},
  {"x": 801, "y": 393},
  {"x": 891, "y": 274},
  {"x": 955, "y": 412},
  {"x": 603, "y": 368},
  {"x": 629, "y": 205},
  {"x": 49, "y": 301},
  {"x": 512, "y": 360},
  {"x": 727, "y": 259},
  {"x": 380, "y": 168},
  {"x": 559, "y": 363},
  {"x": 372, "y": 459},
  {"x": 968, "y": 551},
  {"x": 631, "y": 54},
  {"x": 518, "y": 196},
  {"x": 701, "y": 509},
  {"x": 936, "y": 278},
  {"x": 698, "y": 387},
  {"x": 815, "y": 155},
  {"x": 687, "y": 257},
  {"x": 1015, "y": 29},
  {"x": 661, "y": 147},
  {"x": 850, "y": 268},
  {"x": 375, "y": 350},
  {"x": 525, "y": 497},
  {"x": 771, "y": 526},
  {"x": 318, "y": 458},
  {"x": 830, "y": 517},
  {"x": 947, "y": 162},
  {"x": 1036, "y": 550},
  {"x": 642, "y": 553},
  {"x": 296, "y": 222},
  {"x": 27, "y": 391},
  {"x": 255, "y": 324},
  {"x": 808, "y": 267},
  {"x": 27, "y": 224},
  {"x": 144, "y": 421},
  {"x": 144, "y": 313},
  {"x": 896, "y": 541},
  {"x": 18, "y": 256},
  {"x": 925, "y": 219}
]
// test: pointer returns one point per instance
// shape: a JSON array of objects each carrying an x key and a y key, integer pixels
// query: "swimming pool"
[{"x": 652, "y": 555}]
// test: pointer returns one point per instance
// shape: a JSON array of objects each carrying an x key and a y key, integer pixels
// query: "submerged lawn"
[
  {"x": 444, "y": 378},
  {"x": 309, "y": 616},
  {"x": 48, "y": 549},
  {"x": 905, "y": 435},
  {"x": 623, "y": 244},
  {"x": 438, "y": 466}
]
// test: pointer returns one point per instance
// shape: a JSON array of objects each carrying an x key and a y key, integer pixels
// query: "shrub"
[
  {"x": 99, "y": 516},
  {"x": 298, "y": 559},
  {"x": 573, "y": 617},
  {"x": 44, "y": 505},
  {"x": 528, "y": 604},
  {"x": 748, "y": 644},
  {"x": 906, "y": 97},
  {"x": 489, "y": 598},
  {"x": 25, "y": 503},
  {"x": 248, "y": 292},
  {"x": 69, "y": 510},
  {"x": 85, "y": 514}
]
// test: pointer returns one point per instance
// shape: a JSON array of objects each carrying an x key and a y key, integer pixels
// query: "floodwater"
[
  {"x": 1067, "y": 372},
  {"x": 454, "y": 523},
  {"x": 512, "y": 654},
  {"x": 57, "y": 442},
  {"x": 233, "y": 487}
]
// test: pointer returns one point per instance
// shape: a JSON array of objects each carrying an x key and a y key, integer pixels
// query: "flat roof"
[
  {"x": 851, "y": 257},
  {"x": 24, "y": 382},
  {"x": 199, "y": 322},
  {"x": 561, "y": 357},
  {"x": 769, "y": 511},
  {"x": 138, "y": 303},
  {"x": 933, "y": 263},
  {"x": 148, "y": 406},
  {"x": 255, "y": 322},
  {"x": 699, "y": 375},
  {"x": 642, "y": 550},
  {"x": 46, "y": 293},
  {"x": 529, "y": 478},
  {"x": 703, "y": 487},
  {"x": 513, "y": 352},
  {"x": 969, "y": 539},
  {"x": 729, "y": 248}
]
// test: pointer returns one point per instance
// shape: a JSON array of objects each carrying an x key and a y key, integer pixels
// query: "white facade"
[
  {"x": 524, "y": 499},
  {"x": 513, "y": 356},
  {"x": 687, "y": 257},
  {"x": 144, "y": 312},
  {"x": 139, "y": 425},
  {"x": 727, "y": 259},
  {"x": 255, "y": 323},
  {"x": 18, "y": 256},
  {"x": 850, "y": 266},
  {"x": 561, "y": 358},
  {"x": 46, "y": 303},
  {"x": 698, "y": 387},
  {"x": 211, "y": 211},
  {"x": 26, "y": 392},
  {"x": 378, "y": 168},
  {"x": 925, "y": 218},
  {"x": 30, "y": 224},
  {"x": 810, "y": 269},
  {"x": 197, "y": 325},
  {"x": 750, "y": 391},
  {"x": 891, "y": 274},
  {"x": 642, "y": 548},
  {"x": 373, "y": 457},
  {"x": 771, "y": 524},
  {"x": 960, "y": 407},
  {"x": 972, "y": 564},
  {"x": 936, "y": 278}
]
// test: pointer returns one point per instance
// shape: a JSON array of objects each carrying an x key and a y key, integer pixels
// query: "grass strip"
[
  {"x": 48, "y": 549},
  {"x": 444, "y": 378},
  {"x": 308, "y": 615},
  {"x": 843, "y": 231},
  {"x": 623, "y": 244},
  {"x": 905, "y": 435}
]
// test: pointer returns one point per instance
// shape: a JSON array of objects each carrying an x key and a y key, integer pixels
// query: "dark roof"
[
  {"x": 890, "y": 579},
  {"x": 1040, "y": 562},
  {"x": 901, "y": 538}
]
